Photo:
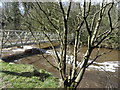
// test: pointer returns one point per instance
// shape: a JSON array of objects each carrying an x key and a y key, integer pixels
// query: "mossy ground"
[{"x": 24, "y": 76}]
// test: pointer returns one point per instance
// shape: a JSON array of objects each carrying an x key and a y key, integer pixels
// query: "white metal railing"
[{"x": 11, "y": 38}]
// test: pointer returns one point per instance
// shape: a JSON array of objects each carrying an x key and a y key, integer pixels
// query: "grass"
[{"x": 25, "y": 76}]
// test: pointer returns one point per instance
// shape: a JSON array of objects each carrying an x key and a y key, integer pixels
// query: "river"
[{"x": 103, "y": 74}]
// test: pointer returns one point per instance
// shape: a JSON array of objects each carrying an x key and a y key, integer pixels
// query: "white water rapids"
[{"x": 110, "y": 66}]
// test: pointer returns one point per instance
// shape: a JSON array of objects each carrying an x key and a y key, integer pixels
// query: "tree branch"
[
  {"x": 97, "y": 56},
  {"x": 97, "y": 25},
  {"x": 111, "y": 27},
  {"x": 52, "y": 47},
  {"x": 47, "y": 16},
  {"x": 65, "y": 34},
  {"x": 85, "y": 19},
  {"x": 94, "y": 17}
]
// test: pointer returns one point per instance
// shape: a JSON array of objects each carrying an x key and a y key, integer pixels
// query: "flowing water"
[{"x": 102, "y": 74}]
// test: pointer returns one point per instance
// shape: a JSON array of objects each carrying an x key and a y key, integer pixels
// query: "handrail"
[
  {"x": 23, "y": 37},
  {"x": 20, "y": 37}
]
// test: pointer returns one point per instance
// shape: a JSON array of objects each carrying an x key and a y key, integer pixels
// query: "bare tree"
[{"x": 71, "y": 75}]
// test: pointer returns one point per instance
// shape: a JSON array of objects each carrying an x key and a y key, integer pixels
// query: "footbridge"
[{"x": 11, "y": 38}]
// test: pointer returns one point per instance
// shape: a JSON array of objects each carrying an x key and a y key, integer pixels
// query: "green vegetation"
[{"x": 24, "y": 76}]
